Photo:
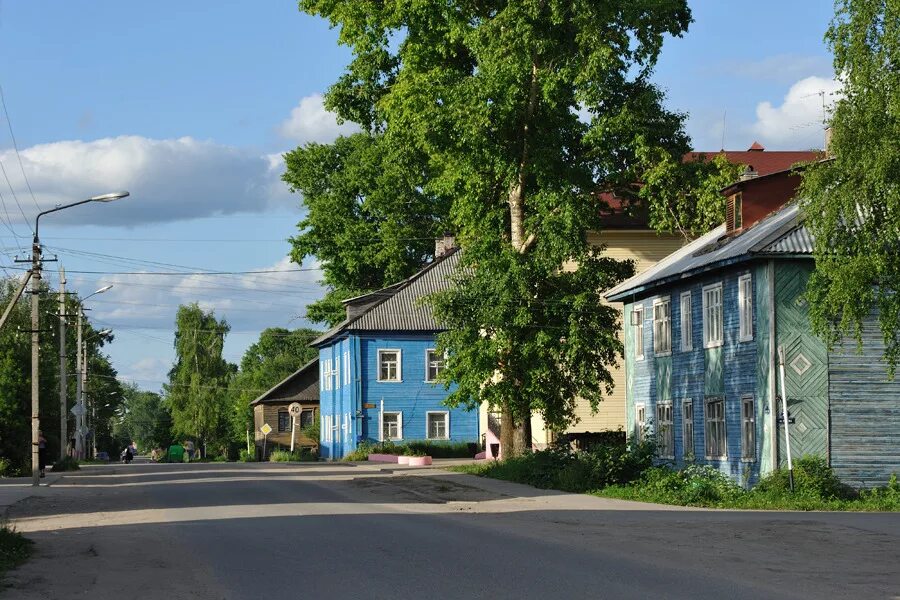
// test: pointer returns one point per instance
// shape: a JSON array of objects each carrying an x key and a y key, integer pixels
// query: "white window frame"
[
  {"x": 713, "y": 317},
  {"x": 638, "y": 333},
  {"x": 399, "y": 378},
  {"x": 748, "y": 428},
  {"x": 665, "y": 430},
  {"x": 640, "y": 421},
  {"x": 446, "y": 415},
  {"x": 337, "y": 372},
  {"x": 662, "y": 326},
  {"x": 327, "y": 374},
  {"x": 745, "y": 307},
  {"x": 328, "y": 432},
  {"x": 399, "y": 415},
  {"x": 346, "y": 367},
  {"x": 687, "y": 322},
  {"x": 687, "y": 429},
  {"x": 429, "y": 352},
  {"x": 717, "y": 422}
]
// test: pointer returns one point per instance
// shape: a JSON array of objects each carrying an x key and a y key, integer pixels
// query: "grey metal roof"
[
  {"x": 283, "y": 385},
  {"x": 716, "y": 249},
  {"x": 397, "y": 307}
]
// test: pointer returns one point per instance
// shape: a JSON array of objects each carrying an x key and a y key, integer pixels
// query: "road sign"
[
  {"x": 266, "y": 429},
  {"x": 294, "y": 409},
  {"x": 77, "y": 410},
  {"x": 369, "y": 405}
]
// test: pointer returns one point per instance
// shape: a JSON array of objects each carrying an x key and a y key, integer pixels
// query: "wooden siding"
[
  {"x": 765, "y": 371},
  {"x": 865, "y": 411},
  {"x": 268, "y": 413},
  {"x": 806, "y": 363},
  {"x": 645, "y": 248}
]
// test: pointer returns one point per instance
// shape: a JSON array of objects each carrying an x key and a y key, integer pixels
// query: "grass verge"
[{"x": 14, "y": 549}]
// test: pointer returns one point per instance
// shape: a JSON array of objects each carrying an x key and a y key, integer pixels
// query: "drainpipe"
[{"x": 773, "y": 409}]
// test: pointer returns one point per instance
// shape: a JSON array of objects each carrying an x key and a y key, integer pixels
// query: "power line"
[{"x": 18, "y": 156}]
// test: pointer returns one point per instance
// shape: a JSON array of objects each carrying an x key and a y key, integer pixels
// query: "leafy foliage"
[
  {"x": 195, "y": 393},
  {"x": 66, "y": 464},
  {"x": 246, "y": 456},
  {"x": 14, "y": 548},
  {"x": 369, "y": 221},
  {"x": 852, "y": 202},
  {"x": 301, "y": 455},
  {"x": 146, "y": 419}
]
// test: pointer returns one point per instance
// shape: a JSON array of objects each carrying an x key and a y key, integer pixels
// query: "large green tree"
[
  {"x": 145, "y": 419},
  {"x": 852, "y": 201},
  {"x": 198, "y": 381},
  {"x": 278, "y": 353},
  {"x": 368, "y": 219},
  {"x": 493, "y": 93}
]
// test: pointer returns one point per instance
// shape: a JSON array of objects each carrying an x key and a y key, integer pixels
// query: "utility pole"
[
  {"x": 63, "y": 409},
  {"x": 79, "y": 391},
  {"x": 35, "y": 360}
]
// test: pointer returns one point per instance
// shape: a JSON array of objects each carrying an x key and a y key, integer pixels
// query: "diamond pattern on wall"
[{"x": 800, "y": 364}]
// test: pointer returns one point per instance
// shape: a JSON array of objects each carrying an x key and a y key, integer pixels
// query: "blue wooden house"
[
  {"x": 379, "y": 369},
  {"x": 705, "y": 332}
]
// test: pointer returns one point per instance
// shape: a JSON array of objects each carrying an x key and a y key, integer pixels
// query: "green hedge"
[{"x": 415, "y": 448}]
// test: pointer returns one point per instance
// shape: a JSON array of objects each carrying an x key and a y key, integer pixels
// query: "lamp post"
[
  {"x": 80, "y": 411},
  {"x": 36, "y": 324},
  {"x": 83, "y": 374}
]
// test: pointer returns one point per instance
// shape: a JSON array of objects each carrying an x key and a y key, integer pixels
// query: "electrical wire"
[{"x": 16, "y": 148}]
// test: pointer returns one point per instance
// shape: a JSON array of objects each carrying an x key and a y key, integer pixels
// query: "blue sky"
[{"x": 190, "y": 104}]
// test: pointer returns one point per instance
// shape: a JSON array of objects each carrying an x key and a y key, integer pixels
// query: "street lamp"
[{"x": 36, "y": 326}]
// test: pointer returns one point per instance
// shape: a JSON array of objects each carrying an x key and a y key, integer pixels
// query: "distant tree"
[
  {"x": 852, "y": 202},
  {"x": 145, "y": 418},
  {"x": 369, "y": 221},
  {"x": 197, "y": 390},
  {"x": 278, "y": 353},
  {"x": 492, "y": 94}
]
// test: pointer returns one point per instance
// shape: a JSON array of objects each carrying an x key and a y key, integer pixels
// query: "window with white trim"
[
  {"x": 346, "y": 367},
  {"x": 745, "y": 307},
  {"x": 438, "y": 425},
  {"x": 327, "y": 429},
  {"x": 687, "y": 325},
  {"x": 434, "y": 364},
  {"x": 640, "y": 422},
  {"x": 389, "y": 365},
  {"x": 637, "y": 323},
  {"x": 392, "y": 426},
  {"x": 748, "y": 428},
  {"x": 687, "y": 428},
  {"x": 662, "y": 327},
  {"x": 337, "y": 372},
  {"x": 321, "y": 374},
  {"x": 712, "y": 316},
  {"x": 715, "y": 428},
  {"x": 326, "y": 374},
  {"x": 665, "y": 430}
]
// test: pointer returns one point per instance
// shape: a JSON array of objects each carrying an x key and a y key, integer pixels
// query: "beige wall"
[{"x": 645, "y": 248}]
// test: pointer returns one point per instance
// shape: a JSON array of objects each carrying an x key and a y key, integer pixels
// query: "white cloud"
[
  {"x": 310, "y": 121},
  {"x": 146, "y": 371},
  {"x": 169, "y": 179},
  {"x": 797, "y": 123},
  {"x": 783, "y": 68}
]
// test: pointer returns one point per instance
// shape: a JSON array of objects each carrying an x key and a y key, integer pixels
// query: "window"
[
  {"x": 715, "y": 428},
  {"x": 745, "y": 307},
  {"x": 306, "y": 418},
  {"x": 687, "y": 428},
  {"x": 434, "y": 364},
  {"x": 738, "y": 208},
  {"x": 326, "y": 374},
  {"x": 665, "y": 430},
  {"x": 712, "y": 316},
  {"x": 748, "y": 429},
  {"x": 337, "y": 373},
  {"x": 389, "y": 365},
  {"x": 662, "y": 327},
  {"x": 640, "y": 422},
  {"x": 687, "y": 327},
  {"x": 637, "y": 321},
  {"x": 284, "y": 421},
  {"x": 327, "y": 431},
  {"x": 392, "y": 426},
  {"x": 438, "y": 425},
  {"x": 346, "y": 367}
]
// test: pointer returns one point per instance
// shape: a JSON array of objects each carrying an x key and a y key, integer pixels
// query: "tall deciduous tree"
[
  {"x": 368, "y": 219},
  {"x": 145, "y": 419},
  {"x": 525, "y": 109},
  {"x": 197, "y": 390},
  {"x": 852, "y": 202}
]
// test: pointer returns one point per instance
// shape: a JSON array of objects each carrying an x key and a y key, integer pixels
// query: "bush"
[
  {"x": 813, "y": 478},
  {"x": 6, "y": 469},
  {"x": 219, "y": 459},
  {"x": 414, "y": 448},
  {"x": 246, "y": 456},
  {"x": 14, "y": 549},
  {"x": 362, "y": 452},
  {"x": 299, "y": 455},
  {"x": 66, "y": 464}
]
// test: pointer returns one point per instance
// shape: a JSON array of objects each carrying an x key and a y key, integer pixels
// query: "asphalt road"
[{"x": 234, "y": 531}]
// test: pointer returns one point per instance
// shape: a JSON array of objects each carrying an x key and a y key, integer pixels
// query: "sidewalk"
[{"x": 16, "y": 489}]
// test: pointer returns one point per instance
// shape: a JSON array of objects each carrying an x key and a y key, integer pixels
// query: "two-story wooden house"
[{"x": 379, "y": 368}]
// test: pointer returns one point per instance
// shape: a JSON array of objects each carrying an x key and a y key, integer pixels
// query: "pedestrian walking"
[{"x": 42, "y": 452}]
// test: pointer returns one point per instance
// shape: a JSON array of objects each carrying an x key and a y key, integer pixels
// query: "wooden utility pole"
[{"x": 63, "y": 408}]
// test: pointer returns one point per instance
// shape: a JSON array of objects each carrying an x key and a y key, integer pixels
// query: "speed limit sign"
[{"x": 294, "y": 409}]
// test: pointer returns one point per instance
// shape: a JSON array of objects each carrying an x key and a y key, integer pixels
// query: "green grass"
[
  {"x": 414, "y": 448},
  {"x": 816, "y": 486},
  {"x": 301, "y": 455},
  {"x": 14, "y": 549},
  {"x": 66, "y": 464}
]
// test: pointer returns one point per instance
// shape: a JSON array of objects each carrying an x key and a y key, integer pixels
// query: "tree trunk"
[{"x": 507, "y": 431}]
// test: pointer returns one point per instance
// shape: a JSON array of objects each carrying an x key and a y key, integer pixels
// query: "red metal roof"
[{"x": 761, "y": 160}]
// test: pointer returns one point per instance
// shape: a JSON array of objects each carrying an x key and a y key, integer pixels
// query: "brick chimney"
[{"x": 444, "y": 244}]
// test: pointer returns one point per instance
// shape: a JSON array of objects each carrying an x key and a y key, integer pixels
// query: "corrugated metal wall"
[{"x": 865, "y": 411}]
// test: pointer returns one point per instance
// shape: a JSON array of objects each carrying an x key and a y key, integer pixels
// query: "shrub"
[
  {"x": 299, "y": 455},
  {"x": 5, "y": 467},
  {"x": 813, "y": 478},
  {"x": 66, "y": 464},
  {"x": 246, "y": 456},
  {"x": 362, "y": 452},
  {"x": 14, "y": 549},
  {"x": 219, "y": 459}
]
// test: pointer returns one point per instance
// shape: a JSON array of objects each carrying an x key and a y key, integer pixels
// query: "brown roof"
[{"x": 761, "y": 160}]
